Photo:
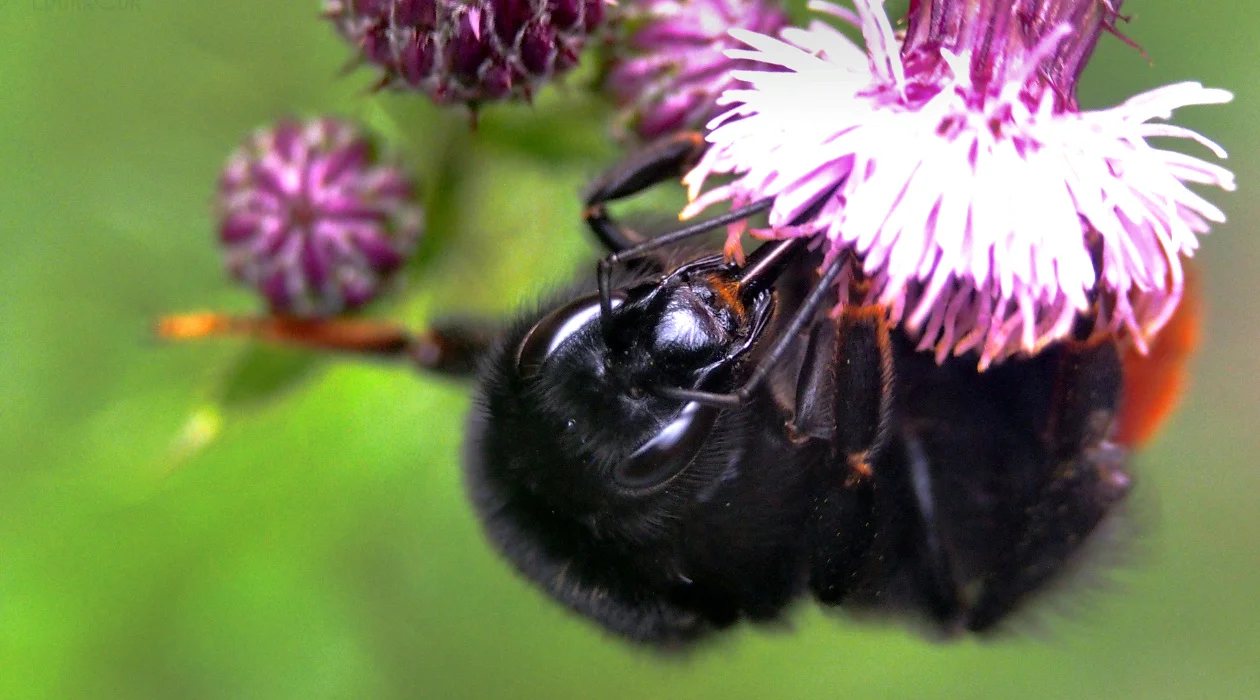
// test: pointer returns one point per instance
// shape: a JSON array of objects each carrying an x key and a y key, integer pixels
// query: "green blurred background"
[{"x": 218, "y": 521}]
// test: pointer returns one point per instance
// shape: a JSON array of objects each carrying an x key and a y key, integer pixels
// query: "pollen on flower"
[
  {"x": 313, "y": 217},
  {"x": 969, "y": 193}
]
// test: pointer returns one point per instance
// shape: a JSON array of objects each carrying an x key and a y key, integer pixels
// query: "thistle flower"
[
  {"x": 467, "y": 50},
  {"x": 673, "y": 65},
  {"x": 313, "y": 217},
  {"x": 965, "y": 189}
]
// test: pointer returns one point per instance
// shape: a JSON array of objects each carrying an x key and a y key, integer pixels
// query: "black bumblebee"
[{"x": 685, "y": 445}]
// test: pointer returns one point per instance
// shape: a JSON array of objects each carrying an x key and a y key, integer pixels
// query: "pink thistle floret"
[
  {"x": 673, "y": 65},
  {"x": 958, "y": 178},
  {"x": 314, "y": 218}
]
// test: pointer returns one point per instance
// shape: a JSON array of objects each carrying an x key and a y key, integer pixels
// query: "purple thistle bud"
[
  {"x": 313, "y": 218},
  {"x": 467, "y": 51},
  {"x": 673, "y": 65},
  {"x": 972, "y": 197}
]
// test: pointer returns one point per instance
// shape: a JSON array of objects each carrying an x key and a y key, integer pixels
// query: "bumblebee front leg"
[{"x": 660, "y": 161}]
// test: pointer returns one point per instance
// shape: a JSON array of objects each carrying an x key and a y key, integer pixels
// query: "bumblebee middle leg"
[{"x": 845, "y": 399}]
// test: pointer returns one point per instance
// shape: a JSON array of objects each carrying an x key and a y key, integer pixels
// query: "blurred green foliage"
[{"x": 218, "y": 521}]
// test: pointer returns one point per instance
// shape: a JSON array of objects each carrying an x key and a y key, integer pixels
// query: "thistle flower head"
[
  {"x": 313, "y": 218},
  {"x": 467, "y": 50},
  {"x": 673, "y": 65},
  {"x": 958, "y": 178}
]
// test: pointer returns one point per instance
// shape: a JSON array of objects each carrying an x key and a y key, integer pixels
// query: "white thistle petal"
[{"x": 985, "y": 219}]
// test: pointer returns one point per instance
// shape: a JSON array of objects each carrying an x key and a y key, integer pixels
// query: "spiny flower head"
[
  {"x": 965, "y": 189},
  {"x": 313, "y": 217},
  {"x": 673, "y": 64},
  {"x": 468, "y": 51}
]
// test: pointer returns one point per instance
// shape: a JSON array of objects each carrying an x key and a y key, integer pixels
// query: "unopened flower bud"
[
  {"x": 469, "y": 51},
  {"x": 313, "y": 217}
]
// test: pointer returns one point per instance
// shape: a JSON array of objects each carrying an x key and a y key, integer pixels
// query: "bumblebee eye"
[
  {"x": 668, "y": 452},
  {"x": 552, "y": 330}
]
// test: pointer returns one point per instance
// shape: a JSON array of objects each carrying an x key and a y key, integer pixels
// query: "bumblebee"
[{"x": 692, "y": 442}]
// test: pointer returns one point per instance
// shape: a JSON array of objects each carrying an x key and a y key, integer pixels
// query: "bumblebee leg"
[
  {"x": 450, "y": 347},
  {"x": 660, "y": 161},
  {"x": 885, "y": 456},
  {"x": 845, "y": 397},
  {"x": 863, "y": 365},
  {"x": 815, "y": 415},
  {"x": 1080, "y": 479},
  {"x": 933, "y": 569},
  {"x": 666, "y": 159}
]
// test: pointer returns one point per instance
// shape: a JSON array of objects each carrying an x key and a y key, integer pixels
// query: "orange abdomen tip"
[{"x": 1153, "y": 383}]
